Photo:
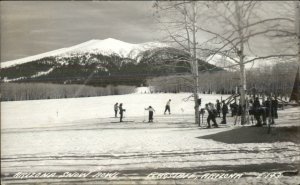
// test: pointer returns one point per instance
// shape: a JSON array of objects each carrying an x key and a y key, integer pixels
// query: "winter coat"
[
  {"x": 116, "y": 107},
  {"x": 121, "y": 110},
  {"x": 218, "y": 106},
  {"x": 256, "y": 104},
  {"x": 212, "y": 110},
  {"x": 150, "y": 109},
  {"x": 224, "y": 109}
]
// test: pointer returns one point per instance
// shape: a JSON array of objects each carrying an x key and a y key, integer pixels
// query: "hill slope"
[
  {"x": 100, "y": 62},
  {"x": 108, "y": 47}
]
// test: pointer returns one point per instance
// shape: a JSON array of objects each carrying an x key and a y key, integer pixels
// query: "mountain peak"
[
  {"x": 111, "y": 39},
  {"x": 116, "y": 41},
  {"x": 106, "y": 47}
]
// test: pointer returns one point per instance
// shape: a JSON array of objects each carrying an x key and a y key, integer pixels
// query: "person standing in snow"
[
  {"x": 234, "y": 107},
  {"x": 224, "y": 111},
  {"x": 218, "y": 105},
  {"x": 251, "y": 110},
  {"x": 270, "y": 106},
  {"x": 168, "y": 107},
  {"x": 121, "y": 111},
  {"x": 267, "y": 107},
  {"x": 275, "y": 107},
  {"x": 212, "y": 113},
  {"x": 116, "y": 107},
  {"x": 257, "y": 112},
  {"x": 151, "y": 110}
]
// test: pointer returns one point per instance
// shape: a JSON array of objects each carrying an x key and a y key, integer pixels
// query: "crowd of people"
[
  {"x": 268, "y": 109},
  {"x": 260, "y": 112}
]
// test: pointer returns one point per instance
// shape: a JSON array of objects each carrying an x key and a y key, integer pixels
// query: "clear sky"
[{"x": 33, "y": 27}]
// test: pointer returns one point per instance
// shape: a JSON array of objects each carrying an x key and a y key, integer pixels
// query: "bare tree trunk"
[
  {"x": 243, "y": 92},
  {"x": 297, "y": 24},
  {"x": 195, "y": 67},
  {"x": 241, "y": 63}
]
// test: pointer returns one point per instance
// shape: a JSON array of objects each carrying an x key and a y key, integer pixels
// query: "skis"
[
  {"x": 134, "y": 122},
  {"x": 212, "y": 127},
  {"x": 122, "y": 122}
]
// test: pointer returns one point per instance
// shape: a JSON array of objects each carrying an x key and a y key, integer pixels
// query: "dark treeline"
[
  {"x": 101, "y": 70},
  {"x": 35, "y": 91},
  {"x": 277, "y": 80}
]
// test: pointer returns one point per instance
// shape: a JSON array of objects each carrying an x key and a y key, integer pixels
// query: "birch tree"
[
  {"x": 297, "y": 24},
  {"x": 179, "y": 20},
  {"x": 236, "y": 30},
  {"x": 239, "y": 34}
]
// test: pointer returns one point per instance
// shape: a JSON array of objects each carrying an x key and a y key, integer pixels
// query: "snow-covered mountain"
[
  {"x": 101, "y": 62},
  {"x": 106, "y": 47}
]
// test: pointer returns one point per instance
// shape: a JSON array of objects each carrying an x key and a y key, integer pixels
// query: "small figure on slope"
[
  {"x": 257, "y": 112},
  {"x": 275, "y": 107},
  {"x": 234, "y": 108},
  {"x": 218, "y": 105},
  {"x": 212, "y": 114},
  {"x": 116, "y": 107},
  {"x": 251, "y": 110},
  {"x": 168, "y": 107},
  {"x": 224, "y": 111},
  {"x": 151, "y": 110},
  {"x": 121, "y": 111}
]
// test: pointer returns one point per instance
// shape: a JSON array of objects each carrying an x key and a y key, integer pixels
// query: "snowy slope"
[
  {"x": 106, "y": 47},
  {"x": 44, "y": 113},
  {"x": 67, "y": 135}
]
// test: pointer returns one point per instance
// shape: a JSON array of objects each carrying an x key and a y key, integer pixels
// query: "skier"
[
  {"x": 224, "y": 111},
  {"x": 234, "y": 107},
  {"x": 168, "y": 107},
  {"x": 151, "y": 110},
  {"x": 268, "y": 111},
  {"x": 239, "y": 112},
  {"x": 275, "y": 107},
  {"x": 116, "y": 107},
  {"x": 251, "y": 111},
  {"x": 218, "y": 105},
  {"x": 257, "y": 111},
  {"x": 212, "y": 113},
  {"x": 270, "y": 106},
  {"x": 121, "y": 111}
]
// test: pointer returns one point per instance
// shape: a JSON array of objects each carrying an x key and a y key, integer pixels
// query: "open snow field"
[
  {"x": 68, "y": 135},
  {"x": 59, "y": 112}
]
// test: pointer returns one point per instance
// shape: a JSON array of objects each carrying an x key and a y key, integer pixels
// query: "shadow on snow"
[{"x": 257, "y": 135}]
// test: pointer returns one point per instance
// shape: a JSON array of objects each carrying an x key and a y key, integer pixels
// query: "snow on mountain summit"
[
  {"x": 107, "y": 46},
  {"x": 113, "y": 46}
]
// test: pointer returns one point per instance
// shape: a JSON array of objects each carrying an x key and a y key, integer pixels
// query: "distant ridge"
[{"x": 106, "y": 47}]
